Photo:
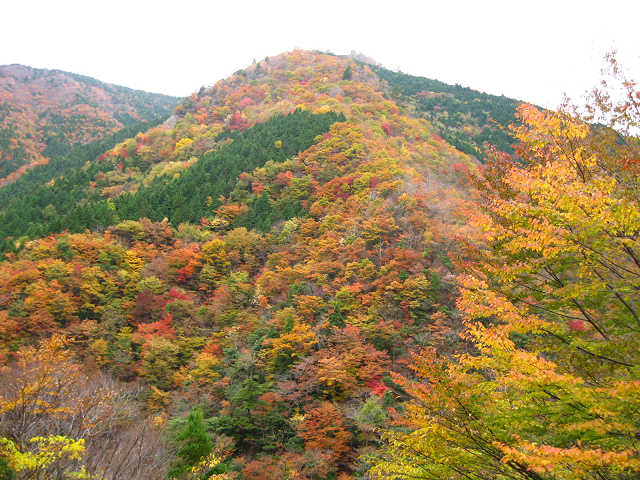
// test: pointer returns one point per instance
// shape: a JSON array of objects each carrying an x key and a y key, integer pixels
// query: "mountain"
[
  {"x": 468, "y": 119},
  {"x": 122, "y": 177},
  {"x": 256, "y": 270},
  {"x": 43, "y": 113}
]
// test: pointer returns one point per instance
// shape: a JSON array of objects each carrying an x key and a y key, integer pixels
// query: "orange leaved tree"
[{"x": 550, "y": 388}]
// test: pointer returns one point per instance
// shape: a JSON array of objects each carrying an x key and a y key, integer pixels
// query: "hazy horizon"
[{"x": 531, "y": 54}]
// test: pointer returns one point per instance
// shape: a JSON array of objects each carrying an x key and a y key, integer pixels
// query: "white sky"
[{"x": 532, "y": 50}]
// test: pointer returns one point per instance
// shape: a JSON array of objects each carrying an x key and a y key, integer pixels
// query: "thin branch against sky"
[{"x": 532, "y": 51}]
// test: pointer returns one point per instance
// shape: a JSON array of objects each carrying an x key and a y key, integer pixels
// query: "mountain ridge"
[
  {"x": 43, "y": 113},
  {"x": 81, "y": 77}
]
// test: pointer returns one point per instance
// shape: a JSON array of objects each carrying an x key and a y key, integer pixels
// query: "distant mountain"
[{"x": 43, "y": 113}]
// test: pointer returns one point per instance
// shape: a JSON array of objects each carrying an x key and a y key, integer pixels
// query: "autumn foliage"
[
  {"x": 282, "y": 312},
  {"x": 345, "y": 275},
  {"x": 43, "y": 113},
  {"x": 549, "y": 387}
]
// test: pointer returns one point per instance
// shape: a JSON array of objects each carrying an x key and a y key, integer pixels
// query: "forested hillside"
[
  {"x": 296, "y": 276},
  {"x": 291, "y": 256},
  {"x": 468, "y": 119},
  {"x": 549, "y": 302},
  {"x": 44, "y": 113},
  {"x": 32, "y": 209}
]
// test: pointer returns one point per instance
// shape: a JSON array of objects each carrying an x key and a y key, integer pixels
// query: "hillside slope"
[
  {"x": 468, "y": 119},
  {"x": 45, "y": 112},
  {"x": 297, "y": 253},
  {"x": 465, "y": 118}
]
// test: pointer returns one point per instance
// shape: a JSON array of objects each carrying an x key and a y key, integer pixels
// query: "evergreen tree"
[
  {"x": 194, "y": 443},
  {"x": 348, "y": 74}
]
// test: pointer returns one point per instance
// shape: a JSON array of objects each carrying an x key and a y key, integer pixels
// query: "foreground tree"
[
  {"x": 550, "y": 388},
  {"x": 52, "y": 457},
  {"x": 57, "y": 419}
]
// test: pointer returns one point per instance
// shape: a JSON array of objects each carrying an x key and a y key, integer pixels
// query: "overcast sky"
[{"x": 532, "y": 50}]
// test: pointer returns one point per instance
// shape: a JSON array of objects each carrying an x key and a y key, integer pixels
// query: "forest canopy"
[{"x": 318, "y": 269}]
